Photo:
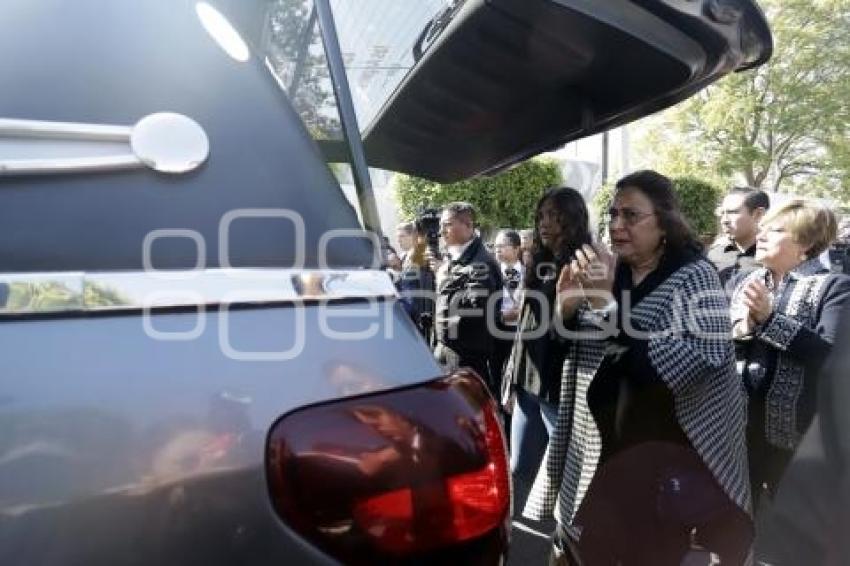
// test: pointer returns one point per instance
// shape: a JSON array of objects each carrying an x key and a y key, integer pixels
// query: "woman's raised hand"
[
  {"x": 594, "y": 267},
  {"x": 569, "y": 293},
  {"x": 758, "y": 301}
]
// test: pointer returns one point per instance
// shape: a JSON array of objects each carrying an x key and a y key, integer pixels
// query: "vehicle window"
[
  {"x": 380, "y": 41},
  {"x": 293, "y": 52}
]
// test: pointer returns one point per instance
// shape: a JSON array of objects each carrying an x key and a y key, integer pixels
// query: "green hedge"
[
  {"x": 599, "y": 208},
  {"x": 505, "y": 200},
  {"x": 699, "y": 200}
]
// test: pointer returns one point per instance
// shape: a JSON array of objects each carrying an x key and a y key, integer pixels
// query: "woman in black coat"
[
  {"x": 561, "y": 226},
  {"x": 784, "y": 317}
]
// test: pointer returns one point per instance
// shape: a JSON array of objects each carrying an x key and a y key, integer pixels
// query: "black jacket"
[
  {"x": 780, "y": 362},
  {"x": 466, "y": 284},
  {"x": 416, "y": 294},
  {"x": 730, "y": 261},
  {"x": 538, "y": 357}
]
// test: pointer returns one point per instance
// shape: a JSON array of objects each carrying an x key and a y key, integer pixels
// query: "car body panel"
[
  {"x": 111, "y": 440},
  {"x": 117, "y": 62}
]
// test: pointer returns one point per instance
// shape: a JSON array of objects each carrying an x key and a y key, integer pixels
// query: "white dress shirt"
[{"x": 510, "y": 297}]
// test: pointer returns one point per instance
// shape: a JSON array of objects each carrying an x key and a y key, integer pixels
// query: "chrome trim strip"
[
  {"x": 69, "y": 165},
  {"x": 10, "y": 127},
  {"x": 68, "y": 292},
  {"x": 165, "y": 142}
]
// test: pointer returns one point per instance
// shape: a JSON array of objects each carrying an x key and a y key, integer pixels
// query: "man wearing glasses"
[{"x": 739, "y": 213}]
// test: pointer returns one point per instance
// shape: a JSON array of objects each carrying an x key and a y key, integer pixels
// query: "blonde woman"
[{"x": 784, "y": 317}]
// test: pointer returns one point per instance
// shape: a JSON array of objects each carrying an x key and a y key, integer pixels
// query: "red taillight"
[
  {"x": 388, "y": 520},
  {"x": 394, "y": 475},
  {"x": 481, "y": 498}
]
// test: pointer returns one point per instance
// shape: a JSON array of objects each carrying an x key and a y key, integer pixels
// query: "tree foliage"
[
  {"x": 783, "y": 126},
  {"x": 505, "y": 200},
  {"x": 48, "y": 296},
  {"x": 599, "y": 208},
  {"x": 294, "y": 52}
]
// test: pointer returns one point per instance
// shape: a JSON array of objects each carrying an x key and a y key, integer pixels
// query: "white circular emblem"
[{"x": 170, "y": 143}]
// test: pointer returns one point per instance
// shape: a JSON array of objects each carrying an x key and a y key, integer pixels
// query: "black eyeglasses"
[{"x": 630, "y": 217}]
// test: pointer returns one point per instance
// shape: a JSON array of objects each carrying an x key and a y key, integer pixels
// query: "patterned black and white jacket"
[
  {"x": 690, "y": 346},
  {"x": 791, "y": 345}
]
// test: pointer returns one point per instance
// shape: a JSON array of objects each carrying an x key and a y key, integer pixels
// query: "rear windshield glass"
[{"x": 380, "y": 41}]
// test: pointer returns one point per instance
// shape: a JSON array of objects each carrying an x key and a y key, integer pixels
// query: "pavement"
[
  {"x": 529, "y": 546},
  {"x": 530, "y": 540}
]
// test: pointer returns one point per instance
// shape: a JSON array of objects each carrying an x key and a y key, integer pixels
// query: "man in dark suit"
[
  {"x": 466, "y": 279},
  {"x": 405, "y": 233},
  {"x": 739, "y": 214}
]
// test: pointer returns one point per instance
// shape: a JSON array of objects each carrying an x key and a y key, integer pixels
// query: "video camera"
[{"x": 428, "y": 224}]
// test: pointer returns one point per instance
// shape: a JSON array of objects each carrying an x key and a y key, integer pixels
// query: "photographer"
[
  {"x": 466, "y": 278},
  {"x": 390, "y": 260},
  {"x": 416, "y": 282}
]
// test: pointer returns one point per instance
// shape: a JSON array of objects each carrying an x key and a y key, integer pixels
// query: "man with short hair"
[
  {"x": 508, "y": 252},
  {"x": 739, "y": 213},
  {"x": 466, "y": 279},
  {"x": 405, "y": 233}
]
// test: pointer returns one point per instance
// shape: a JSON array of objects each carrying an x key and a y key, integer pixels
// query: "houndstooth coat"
[{"x": 690, "y": 346}]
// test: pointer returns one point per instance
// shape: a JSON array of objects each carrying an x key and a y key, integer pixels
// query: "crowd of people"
[{"x": 655, "y": 392}]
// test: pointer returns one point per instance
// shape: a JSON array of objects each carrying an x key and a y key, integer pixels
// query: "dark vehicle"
[{"x": 201, "y": 361}]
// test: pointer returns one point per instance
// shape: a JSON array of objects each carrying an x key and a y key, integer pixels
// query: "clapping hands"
[
  {"x": 758, "y": 301},
  {"x": 589, "y": 276}
]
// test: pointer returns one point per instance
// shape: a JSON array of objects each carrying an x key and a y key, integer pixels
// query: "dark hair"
[
  {"x": 679, "y": 236},
  {"x": 512, "y": 236},
  {"x": 575, "y": 229},
  {"x": 461, "y": 209},
  {"x": 754, "y": 198}
]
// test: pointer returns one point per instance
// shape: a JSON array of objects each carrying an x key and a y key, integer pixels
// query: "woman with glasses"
[
  {"x": 648, "y": 458},
  {"x": 533, "y": 373},
  {"x": 784, "y": 316}
]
